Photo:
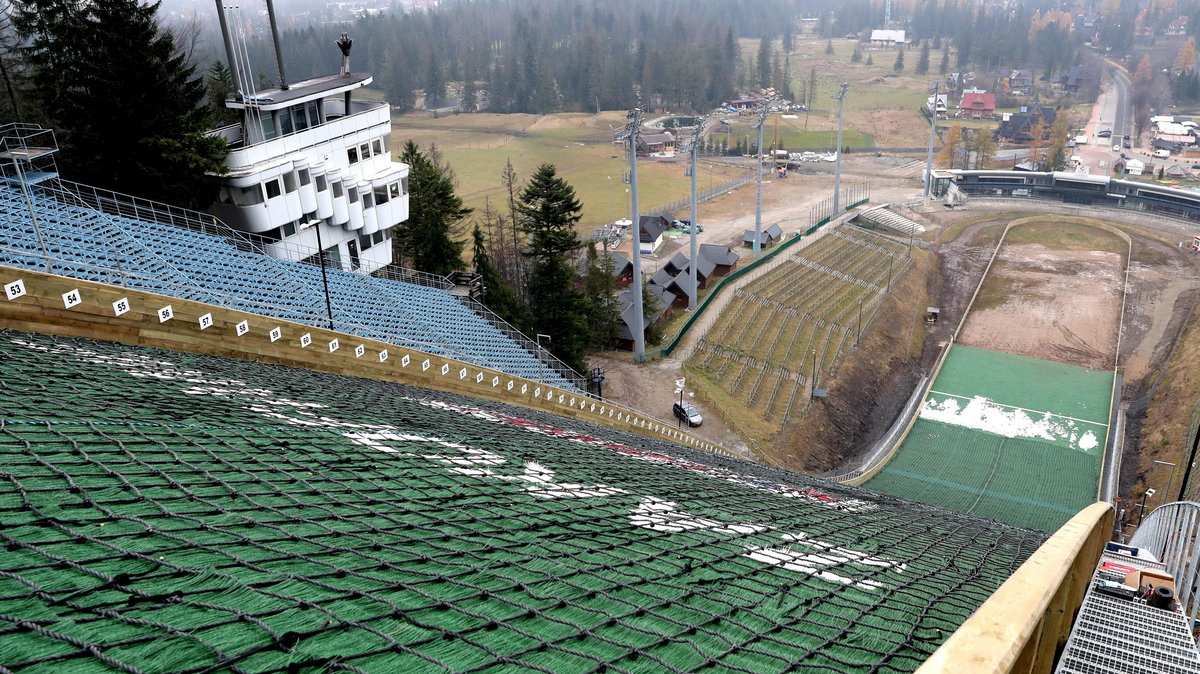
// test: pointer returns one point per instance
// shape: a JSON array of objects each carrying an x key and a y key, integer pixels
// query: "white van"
[{"x": 1162, "y": 154}]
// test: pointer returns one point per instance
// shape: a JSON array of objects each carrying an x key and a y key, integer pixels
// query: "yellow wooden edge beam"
[
  {"x": 59, "y": 305},
  {"x": 1020, "y": 626}
]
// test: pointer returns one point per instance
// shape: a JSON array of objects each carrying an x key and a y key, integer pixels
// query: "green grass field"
[
  {"x": 1013, "y": 438},
  {"x": 579, "y": 145}
]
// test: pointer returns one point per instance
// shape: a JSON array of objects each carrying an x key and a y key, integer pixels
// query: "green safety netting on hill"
[
  {"x": 168, "y": 512},
  {"x": 1009, "y": 437}
]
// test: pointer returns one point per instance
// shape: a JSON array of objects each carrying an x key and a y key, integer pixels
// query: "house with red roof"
[{"x": 977, "y": 105}]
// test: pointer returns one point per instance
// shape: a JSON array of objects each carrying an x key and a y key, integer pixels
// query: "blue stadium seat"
[{"x": 84, "y": 243}]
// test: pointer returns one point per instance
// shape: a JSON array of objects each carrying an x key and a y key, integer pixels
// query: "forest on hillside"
[{"x": 543, "y": 56}]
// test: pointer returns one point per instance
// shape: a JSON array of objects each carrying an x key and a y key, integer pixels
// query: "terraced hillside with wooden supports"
[{"x": 797, "y": 318}]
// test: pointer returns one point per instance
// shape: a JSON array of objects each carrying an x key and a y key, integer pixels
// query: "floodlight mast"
[
  {"x": 630, "y": 134},
  {"x": 763, "y": 110},
  {"x": 837, "y": 167},
  {"x": 932, "y": 137},
  {"x": 692, "y": 148}
]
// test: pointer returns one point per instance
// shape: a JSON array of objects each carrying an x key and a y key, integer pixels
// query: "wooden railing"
[
  {"x": 1021, "y": 626},
  {"x": 35, "y": 301}
]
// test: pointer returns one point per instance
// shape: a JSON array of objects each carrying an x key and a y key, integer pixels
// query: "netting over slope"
[{"x": 168, "y": 512}]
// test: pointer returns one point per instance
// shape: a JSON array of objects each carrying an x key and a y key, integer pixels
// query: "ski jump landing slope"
[{"x": 1012, "y": 438}]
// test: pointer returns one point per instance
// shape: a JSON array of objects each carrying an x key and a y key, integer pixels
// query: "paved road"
[
  {"x": 1110, "y": 113},
  {"x": 1120, "y": 92}
]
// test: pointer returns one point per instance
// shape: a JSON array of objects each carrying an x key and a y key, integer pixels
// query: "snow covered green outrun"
[
  {"x": 1009, "y": 437},
  {"x": 163, "y": 512}
]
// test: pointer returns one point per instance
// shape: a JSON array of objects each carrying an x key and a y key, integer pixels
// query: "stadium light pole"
[
  {"x": 638, "y": 328},
  {"x": 762, "y": 117},
  {"x": 316, "y": 224},
  {"x": 693, "y": 151},
  {"x": 837, "y": 166},
  {"x": 929, "y": 150}
]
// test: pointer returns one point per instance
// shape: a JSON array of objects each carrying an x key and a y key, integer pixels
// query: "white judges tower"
[{"x": 309, "y": 168}]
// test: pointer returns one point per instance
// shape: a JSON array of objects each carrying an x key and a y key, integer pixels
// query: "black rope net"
[{"x": 163, "y": 512}]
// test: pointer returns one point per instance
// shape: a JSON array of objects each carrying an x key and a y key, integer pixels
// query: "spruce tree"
[
  {"x": 944, "y": 68},
  {"x": 604, "y": 319},
  {"x": 763, "y": 62},
  {"x": 899, "y": 64},
  {"x": 548, "y": 211},
  {"x": 219, "y": 85},
  {"x": 127, "y": 106},
  {"x": 470, "y": 97},
  {"x": 923, "y": 60},
  {"x": 425, "y": 241},
  {"x": 499, "y": 295}
]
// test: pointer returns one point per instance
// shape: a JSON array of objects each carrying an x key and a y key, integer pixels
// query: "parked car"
[
  {"x": 1104, "y": 134},
  {"x": 688, "y": 412},
  {"x": 1127, "y": 145},
  {"x": 1116, "y": 148}
]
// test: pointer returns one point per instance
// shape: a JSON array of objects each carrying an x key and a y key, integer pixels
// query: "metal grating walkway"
[{"x": 1118, "y": 636}]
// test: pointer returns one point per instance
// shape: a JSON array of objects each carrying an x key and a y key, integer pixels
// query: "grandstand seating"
[
  {"x": 196, "y": 513},
  {"x": 89, "y": 244},
  {"x": 880, "y": 215}
]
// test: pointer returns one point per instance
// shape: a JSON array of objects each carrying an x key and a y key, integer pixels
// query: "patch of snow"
[{"x": 983, "y": 414}]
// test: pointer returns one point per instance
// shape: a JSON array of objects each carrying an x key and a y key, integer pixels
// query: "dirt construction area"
[{"x": 1046, "y": 300}]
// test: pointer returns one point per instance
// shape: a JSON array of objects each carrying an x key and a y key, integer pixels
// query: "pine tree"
[
  {"x": 829, "y": 46},
  {"x": 470, "y": 97},
  {"x": 856, "y": 57},
  {"x": 499, "y": 295},
  {"x": 870, "y": 60},
  {"x": 923, "y": 60},
  {"x": 604, "y": 318},
  {"x": 944, "y": 68},
  {"x": 549, "y": 210},
  {"x": 128, "y": 107},
  {"x": 435, "y": 83},
  {"x": 764, "y": 62},
  {"x": 219, "y": 84},
  {"x": 424, "y": 241},
  {"x": 398, "y": 79},
  {"x": 899, "y": 64}
]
